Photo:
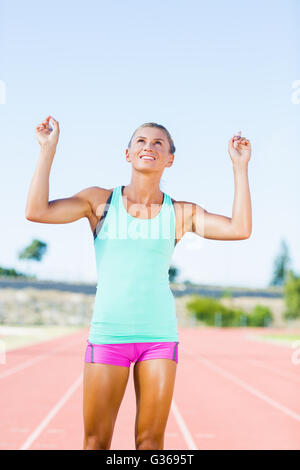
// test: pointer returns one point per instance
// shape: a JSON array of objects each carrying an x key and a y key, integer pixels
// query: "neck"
[{"x": 144, "y": 192}]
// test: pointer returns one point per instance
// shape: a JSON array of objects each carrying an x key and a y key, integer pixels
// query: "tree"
[
  {"x": 261, "y": 315},
  {"x": 281, "y": 265},
  {"x": 34, "y": 252},
  {"x": 173, "y": 273},
  {"x": 227, "y": 294},
  {"x": 292, "y": 296}
]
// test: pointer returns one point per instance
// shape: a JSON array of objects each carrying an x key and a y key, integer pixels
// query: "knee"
[
  {"x": 150, "y": 443},
  {"x": 95, "y": 443}
]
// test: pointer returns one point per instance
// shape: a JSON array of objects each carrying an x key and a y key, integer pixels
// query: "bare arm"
[
  {"x": 239, "y": 226},
  {"x": 38, "y": 206}
]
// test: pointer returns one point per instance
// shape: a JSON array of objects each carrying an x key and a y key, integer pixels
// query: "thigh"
[
  {"x": 103, "y": 389},
  {"x": 154, "y": 381},
  {"x": 157, "y": 350}
]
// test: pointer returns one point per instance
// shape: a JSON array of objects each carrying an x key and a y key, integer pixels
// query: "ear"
[
  {"x": 127, "y": 155},
  {"x": 171, "y": 160}
]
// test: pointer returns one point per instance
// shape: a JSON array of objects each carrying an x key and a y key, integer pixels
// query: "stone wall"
[
  {"x": 31, "y": 306},
  {"x": 44, "y": 307}
]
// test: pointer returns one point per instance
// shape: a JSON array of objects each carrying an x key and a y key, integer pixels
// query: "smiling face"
[{"x": 153, "y": 143}]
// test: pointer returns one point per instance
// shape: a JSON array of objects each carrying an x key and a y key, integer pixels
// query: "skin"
[{"x": 104, "y": 385}]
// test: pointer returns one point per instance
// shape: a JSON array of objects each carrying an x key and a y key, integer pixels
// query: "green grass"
[
  {"x": 17, "y": 336},
  {"x": 280, "y": 336}
]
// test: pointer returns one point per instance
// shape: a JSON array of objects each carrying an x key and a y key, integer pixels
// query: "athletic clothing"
[
  {"x": 124, "y": 354},
  {"x": 134, "y": 302}
]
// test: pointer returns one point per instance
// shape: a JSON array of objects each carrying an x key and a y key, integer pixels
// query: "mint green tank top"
[{"x": 134, "y": 302}]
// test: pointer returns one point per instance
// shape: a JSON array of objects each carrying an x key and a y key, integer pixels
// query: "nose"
[{"x": 147, "y": 146}]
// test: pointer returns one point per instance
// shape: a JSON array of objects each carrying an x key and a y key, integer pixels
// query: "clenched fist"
[
  {"x": 46, "y": 135},
  {"x": 239, "y": 149}
]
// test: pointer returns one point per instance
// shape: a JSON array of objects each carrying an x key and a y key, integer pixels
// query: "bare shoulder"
[
  {"x": 185, "y": 207},
  {"x": 97, "y": 197},
  {"x": 184, "y": 211},
  {"x": 181, "y": 204}
]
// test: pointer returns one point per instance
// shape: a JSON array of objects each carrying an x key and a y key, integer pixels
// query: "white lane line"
[
  {"x": 250, "y": 389},
  {"x": 22, "y": 366},
  {"x": 281, "y": 373},
  {"x": 51, "y": 414},
  {"x": 183, "y": 427},
  {"x": 30, "y": 362}
]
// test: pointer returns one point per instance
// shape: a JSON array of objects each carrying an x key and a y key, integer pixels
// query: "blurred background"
[{"x": 204, "y": 70}]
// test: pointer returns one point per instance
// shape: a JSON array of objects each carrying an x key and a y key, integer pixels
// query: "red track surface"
[{"x": 230, "y": 393}]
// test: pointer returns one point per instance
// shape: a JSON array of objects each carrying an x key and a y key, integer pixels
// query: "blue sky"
[{"x": 202, "y": 69}]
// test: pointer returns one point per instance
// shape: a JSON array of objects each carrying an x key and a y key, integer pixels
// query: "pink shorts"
[{"x": 122, "y": 354}]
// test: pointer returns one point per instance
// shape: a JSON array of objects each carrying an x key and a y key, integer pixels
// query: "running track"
[{"x": 231, "y": 392}]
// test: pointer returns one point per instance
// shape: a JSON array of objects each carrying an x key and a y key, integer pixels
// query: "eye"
[{"x": 156, "y": 141}]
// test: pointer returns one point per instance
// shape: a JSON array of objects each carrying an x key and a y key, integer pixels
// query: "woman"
[{"x": 135, "y": 229}]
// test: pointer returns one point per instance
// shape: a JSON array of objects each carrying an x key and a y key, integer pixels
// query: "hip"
[{"x": 122, "y": 354}]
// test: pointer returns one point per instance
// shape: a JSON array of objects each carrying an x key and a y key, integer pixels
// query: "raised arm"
[
  {"x": 239, "y": 226},
  {"x": 38, "y": 207}
]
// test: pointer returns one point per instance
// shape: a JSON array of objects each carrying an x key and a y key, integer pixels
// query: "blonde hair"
[{"x": 158, "y": 126}]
